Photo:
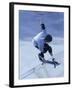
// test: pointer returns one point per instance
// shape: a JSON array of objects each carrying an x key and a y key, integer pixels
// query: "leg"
[
  {"x": 49, "y": 49},
  {"x": 41, "y": 57}
]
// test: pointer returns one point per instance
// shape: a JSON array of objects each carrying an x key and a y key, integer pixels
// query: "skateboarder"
[{"x": 40, "y": 41}]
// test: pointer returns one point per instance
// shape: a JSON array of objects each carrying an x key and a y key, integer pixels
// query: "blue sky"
[{"x": 29, "y": 23}]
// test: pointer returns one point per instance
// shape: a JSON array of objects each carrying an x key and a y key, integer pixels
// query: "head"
[
  {"x": 43, "y": 26},
  {"x": 48, "y": 38}
]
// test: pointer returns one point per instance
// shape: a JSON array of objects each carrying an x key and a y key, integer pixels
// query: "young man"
[{"x": 41, "y": 41}]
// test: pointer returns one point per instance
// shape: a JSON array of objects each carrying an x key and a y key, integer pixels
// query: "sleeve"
[{"x": 41, "y": 45}]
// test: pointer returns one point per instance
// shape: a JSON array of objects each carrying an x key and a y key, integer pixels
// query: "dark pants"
[{"x": 46, "y": 48}]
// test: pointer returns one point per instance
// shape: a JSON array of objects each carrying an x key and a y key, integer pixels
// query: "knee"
[
  {"x": 50, "y": 49},
  {"x": 41, "y": 55}
]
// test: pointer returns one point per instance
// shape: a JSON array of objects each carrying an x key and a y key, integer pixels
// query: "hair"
[
  {"x": 48, "y": 38},
  {"x": 43, "y": 26}
]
